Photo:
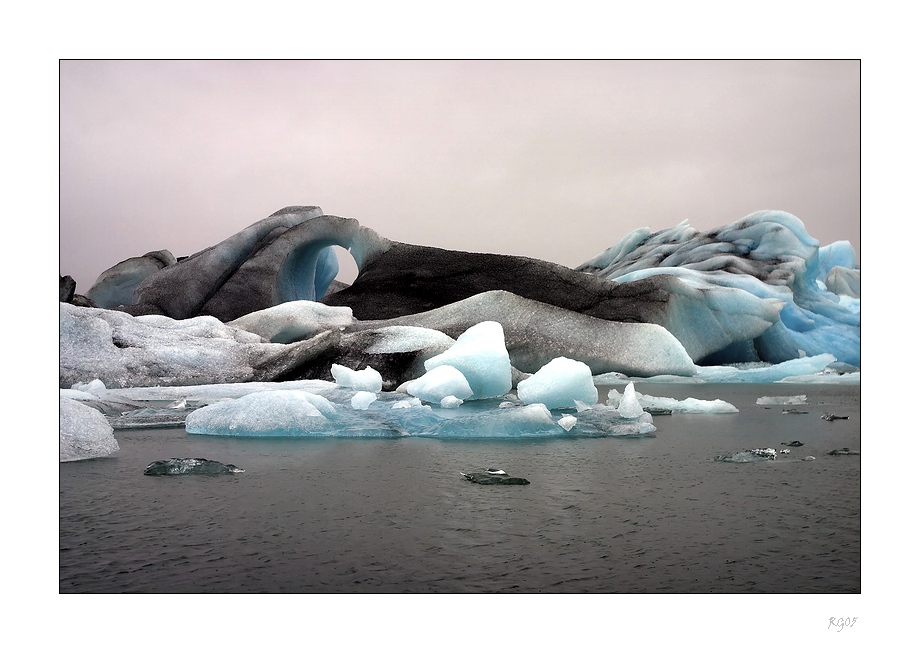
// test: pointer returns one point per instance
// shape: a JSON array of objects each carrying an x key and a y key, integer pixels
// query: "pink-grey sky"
[{"x": 556, "y": 160}]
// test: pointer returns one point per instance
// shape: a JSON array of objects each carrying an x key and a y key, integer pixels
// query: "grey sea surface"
[{"x": 600, "y": 515}]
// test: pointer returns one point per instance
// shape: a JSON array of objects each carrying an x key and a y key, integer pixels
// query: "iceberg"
[
  {"x": 767, "y": 256},
  {"x": 85, "y": 432},
  {"x": 628, "y": 405},
  {"x": 480, "y": 355},
  {"x": 559, "y": 384},
  {"x": 281, "y": 413}
]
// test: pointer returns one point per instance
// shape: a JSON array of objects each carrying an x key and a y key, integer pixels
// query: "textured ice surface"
[
  {"x": 689, "y": 405},
  {"x": 481, "y": 357},
  {"x": 765, "y": 257},
  {"x": 367, "y": 379},
  {"x": 85, "y": 432},
  {"x": 559, "y": 384},
  {"x": 440, "y": 382},
  {"x": 294, "y": 320},
  {"x": 124, "y": 351}
]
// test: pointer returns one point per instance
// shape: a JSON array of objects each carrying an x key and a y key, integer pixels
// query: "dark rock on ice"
[
  {"x": 831, "y": 417},
  {"x": 68, "y": 287},
  {"x": 189, "y": 466},
  {"x": 492, "y": 478}
]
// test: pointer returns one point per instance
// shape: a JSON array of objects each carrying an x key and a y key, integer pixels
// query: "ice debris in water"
[
  {"x": 367, "y": 379},
  {"x": 451, "y": 401},
  {"x": 85, "y": 433},
  {"x": 480, "y": 355},
  {"x": 667, "y": 404},
  {"x": 559, "y": 384},
  {"x": 190, "y": 466},
  {"x": 749, "y": 456},
  {"x": 791, "y": 400}
]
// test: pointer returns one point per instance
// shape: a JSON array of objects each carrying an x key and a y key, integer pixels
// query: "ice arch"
[{"x": 299, "y": 264}]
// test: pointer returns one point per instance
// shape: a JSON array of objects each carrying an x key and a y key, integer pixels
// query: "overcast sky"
[{"x": 556, "y": 160}]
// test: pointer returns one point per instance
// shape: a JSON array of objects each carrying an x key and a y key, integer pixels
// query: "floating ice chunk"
[
  {"x": 268, "y": 413},
  {"x": 559, "y": 384},
  {"x": 481, "y": 357},
  {"x": 629, "y": 405},
  {"x": 363, "y": 399},
  {"x": 85, "y": 432},
  {"x": 689, "y": 405},
  {"x": 567, "y": 422},
  {"x": 440, "y": 382},
  {"x": 507, "y": 404},
  {"x": 367, "y": 379},
  {"x": 582, "y": 406},
  {"x": 450, "y": 401},
  {"x": 793, "y": 400}
]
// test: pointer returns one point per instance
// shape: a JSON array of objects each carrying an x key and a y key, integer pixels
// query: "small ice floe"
[
  {"x": 785, "y": 451},
  {"x": 845, "y": 451},
  {"x": 794, "y": 400},
  {"x": 498, "y": 477},
  {"x": 179, "y": 404},
  {"x": 794, "y": 443},
  {"x": 749, "y": 456},
  {"x": 794, "y": 411},
  {"x": 189, "y": 466},
  {"x": 831, "y": 417},
  {"x": 809, "y": 458}
]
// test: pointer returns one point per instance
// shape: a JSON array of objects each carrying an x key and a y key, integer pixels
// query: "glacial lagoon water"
[{"x": 601, "y": 515}]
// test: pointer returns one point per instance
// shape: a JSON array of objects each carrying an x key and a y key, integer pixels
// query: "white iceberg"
[
  {"x": 438, "y": 383},
  {"x": 559, "y": 384}
]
